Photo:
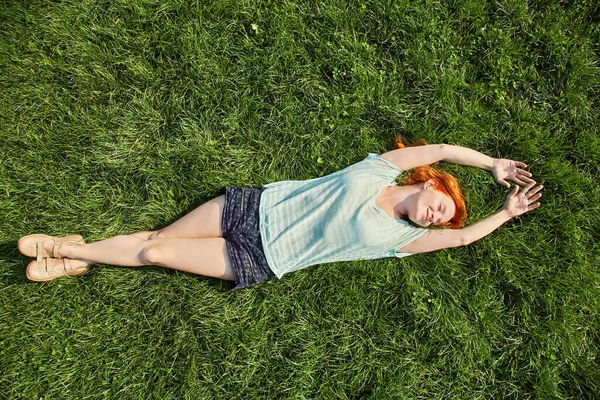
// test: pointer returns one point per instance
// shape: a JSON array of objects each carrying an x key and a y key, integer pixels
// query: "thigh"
[
  {"x": 202, "y": 256},
  {"x": 202, "y": 222}
]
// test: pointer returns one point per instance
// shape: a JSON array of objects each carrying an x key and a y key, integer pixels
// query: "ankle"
[{"x": 69, "y": 250}]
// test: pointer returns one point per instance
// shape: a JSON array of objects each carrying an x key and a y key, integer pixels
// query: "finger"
[
  {"x": 514, "y": 191},
  {"x": 533, "y": 207},
  {"x": 519, "y": 181},
  {"x": 523, "y": 172},
  {"x": 525, "y": 189},
  {"x": 527, "y": 180},
  {"x": 534, "y": 198},
  {"x": 504, "y": 183},
  {"x": 534, "y": 191},
  {"x": 520, "y": 164}
]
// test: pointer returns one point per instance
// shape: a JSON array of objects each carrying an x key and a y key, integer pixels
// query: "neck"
[{"x": 401, "y": 197}]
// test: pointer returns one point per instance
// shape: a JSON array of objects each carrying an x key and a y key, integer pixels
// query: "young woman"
[{"x": 250, "y": 235}]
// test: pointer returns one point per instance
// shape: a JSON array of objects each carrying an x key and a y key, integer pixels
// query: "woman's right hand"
[{"x": 520, "y": 201}]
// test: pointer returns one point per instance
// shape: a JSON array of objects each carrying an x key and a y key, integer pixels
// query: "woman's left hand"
[
  {"x": 520, "y": 201},
  {"x": 508, "y": 170}
]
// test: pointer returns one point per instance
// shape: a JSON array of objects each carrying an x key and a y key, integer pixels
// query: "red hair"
[{"x": 445, "y": 183}]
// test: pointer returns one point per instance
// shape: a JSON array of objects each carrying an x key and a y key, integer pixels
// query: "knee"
[{"x": 151, "y": 254}]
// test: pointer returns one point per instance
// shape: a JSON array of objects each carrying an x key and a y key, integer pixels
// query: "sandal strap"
[
  {"x": 67, "y": 268},
  {"x": 55, "y": 268},
  {"x": 55, "y": 249},
  {"x": 50, "y": 269},
  {"x": 44, "y": 270},
  {"x": 39, "y": 250}
]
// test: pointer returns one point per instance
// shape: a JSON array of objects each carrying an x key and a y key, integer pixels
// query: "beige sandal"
[
  {"x": 33, "y": 245},
  {"x": 51, "y": 268}
]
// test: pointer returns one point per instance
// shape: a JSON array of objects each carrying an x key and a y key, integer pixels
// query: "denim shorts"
[{"x": 242, "y": 237}]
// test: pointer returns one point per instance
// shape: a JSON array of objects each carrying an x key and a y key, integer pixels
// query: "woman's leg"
[
  {"x": 199, "y": 250},
  {"x": 203, "y": 256},
  {"x": 202, "y": 222}
]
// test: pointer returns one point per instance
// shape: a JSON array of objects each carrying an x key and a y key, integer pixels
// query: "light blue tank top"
[{"x": 332, "y": 218}]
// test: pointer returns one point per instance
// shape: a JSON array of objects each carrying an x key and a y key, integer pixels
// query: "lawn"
[{"x": 120, "y": 116}]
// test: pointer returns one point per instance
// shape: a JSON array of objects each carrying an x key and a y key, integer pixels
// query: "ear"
[{"x": 431, "y": 183}]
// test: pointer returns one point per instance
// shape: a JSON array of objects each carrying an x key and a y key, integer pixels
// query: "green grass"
[{"x": 118, "y": 116}]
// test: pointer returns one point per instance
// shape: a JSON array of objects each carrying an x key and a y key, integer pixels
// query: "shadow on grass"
[
  {"x": 17, "y": 263},
  {"x": 213, "y": 283}
]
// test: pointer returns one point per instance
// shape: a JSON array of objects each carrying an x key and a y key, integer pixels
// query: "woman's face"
[{"x": 431, "y": 207}]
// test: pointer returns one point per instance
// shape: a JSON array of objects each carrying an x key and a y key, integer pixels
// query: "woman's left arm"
[
  {"x": 517, "y": 202},
  {"x": 503, "y": 169}
]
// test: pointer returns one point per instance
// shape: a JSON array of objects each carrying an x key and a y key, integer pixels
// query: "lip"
[{"x": 427, "y": 215}]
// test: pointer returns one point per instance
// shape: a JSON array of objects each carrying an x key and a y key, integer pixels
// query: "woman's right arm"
[{"x": 516, "y": 203}]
